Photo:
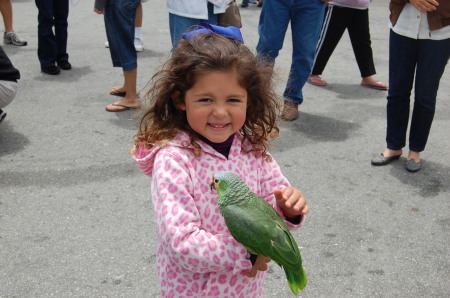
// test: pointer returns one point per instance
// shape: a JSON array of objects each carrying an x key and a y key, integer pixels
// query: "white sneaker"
[
  {"x": 106, "y": 44},
  {"x": 138, "y": 44}
]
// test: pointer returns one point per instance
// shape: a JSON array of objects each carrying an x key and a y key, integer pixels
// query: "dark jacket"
[
  {"x": 436, "y": 19},
  {"x": 7, "y": 71}
]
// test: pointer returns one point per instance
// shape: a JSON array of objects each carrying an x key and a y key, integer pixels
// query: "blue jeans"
[
  {"x": 119, "y": 25},
  {"x": 246, "y": 2},
  {"x": 52, "y": 47},
  {"x": 427, "y": 60},
  {"x": 306, "y": 18},
  {"x": 178, "y": 24}
]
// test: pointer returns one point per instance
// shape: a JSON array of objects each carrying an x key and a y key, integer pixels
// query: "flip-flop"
[
  {"x": 317, "y": 81},
  {"x": 115, "y": 91},
  {"x": 120, "y": 109},
  {"x": 375, "y": 85}
]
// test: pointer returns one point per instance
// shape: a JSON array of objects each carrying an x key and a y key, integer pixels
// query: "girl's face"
[{"x": 216, "y": 105}]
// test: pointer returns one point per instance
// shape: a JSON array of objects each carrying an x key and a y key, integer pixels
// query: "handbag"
[{"x": 231, "y": 16}]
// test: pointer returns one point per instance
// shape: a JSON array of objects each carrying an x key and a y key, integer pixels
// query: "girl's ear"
[{"x": 178, "y": 101}]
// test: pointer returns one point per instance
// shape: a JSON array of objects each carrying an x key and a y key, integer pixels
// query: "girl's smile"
[
  {"x": 218, "y": 126},
  {"x": 216, "y": 105}
]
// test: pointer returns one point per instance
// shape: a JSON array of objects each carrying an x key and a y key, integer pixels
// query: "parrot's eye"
[{"x": 216, "y": 181}]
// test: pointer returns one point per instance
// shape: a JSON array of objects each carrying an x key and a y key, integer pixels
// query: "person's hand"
[
  {"x": 260, "y": 265},
  {"x": 99, "y": 11},
  {"x": 291, "y": 201},
  {"x": 424, "y": 5}
]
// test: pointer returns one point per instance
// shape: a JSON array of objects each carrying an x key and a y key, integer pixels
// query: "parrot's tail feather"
[{"x": 296, "y": 280}]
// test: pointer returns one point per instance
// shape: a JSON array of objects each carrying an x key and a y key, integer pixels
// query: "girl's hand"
[
  {"x": 291, "y": 201},
  {"x": 99, "y": 11},
  {"x": 260, "y": 265},
  {"x": 424, "y": 5}
]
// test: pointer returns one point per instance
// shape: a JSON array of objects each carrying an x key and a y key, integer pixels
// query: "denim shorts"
[{"x": 119, "y": 24}]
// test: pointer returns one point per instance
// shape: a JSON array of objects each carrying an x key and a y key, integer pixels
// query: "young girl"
[{"x": 213, "y": 110}]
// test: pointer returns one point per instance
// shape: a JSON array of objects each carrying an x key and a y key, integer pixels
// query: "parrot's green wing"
[{"x": 257, "y": 226}]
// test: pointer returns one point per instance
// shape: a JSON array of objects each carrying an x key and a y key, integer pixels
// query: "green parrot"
[{"x": 257, "y": 225}]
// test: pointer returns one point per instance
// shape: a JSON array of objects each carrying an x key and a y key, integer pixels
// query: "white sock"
[{"x": 137, "y": 32}]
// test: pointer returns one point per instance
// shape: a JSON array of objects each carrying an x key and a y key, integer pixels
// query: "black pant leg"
[
  {"x": 358, "y": 30},
  {"x": 61, "y": 13},
  {"x": 334, "y": 25},
  {"x": 46, "y": 39}
]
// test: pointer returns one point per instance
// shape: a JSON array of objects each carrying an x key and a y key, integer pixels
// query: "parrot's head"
[
  {"x": 230, "y": 188},
  {"x": 224, "y": 181}
]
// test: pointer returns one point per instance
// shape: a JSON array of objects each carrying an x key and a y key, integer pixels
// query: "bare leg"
[
  {"x": 6, "y": 11},
  {"x": 139, "y": 16},
  {"x": 129, "y": 86}
]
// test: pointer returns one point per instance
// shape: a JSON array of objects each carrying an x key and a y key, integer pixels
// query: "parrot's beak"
[{"x": 212, "y": 184}]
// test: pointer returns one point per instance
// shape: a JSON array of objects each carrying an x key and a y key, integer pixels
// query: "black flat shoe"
[
  {"x": 381, "y": 160},
  {"x": 412, "y": 166},
  {"x": 2, "y": 115},
  {"x": 64, "y": 64},
  {"x": 51, "y": 70}
]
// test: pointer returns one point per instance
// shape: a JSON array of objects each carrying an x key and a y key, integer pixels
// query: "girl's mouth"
[{"x": 216, "y": 125}]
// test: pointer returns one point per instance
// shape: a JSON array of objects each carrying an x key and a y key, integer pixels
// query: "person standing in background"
[
  {"x": 9, "y": 36},
  {"x": 52, "y": 45},
  {"x": 119, "y": 19},
  {"x": 186, "y": 14},
  {"x": 306, "y": 18},
  {"x": 419, "y": 50},
  {"x": 352, "y": 15},
  {"x": 138, "y": 40}
]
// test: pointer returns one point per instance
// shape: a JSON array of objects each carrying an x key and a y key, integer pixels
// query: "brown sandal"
[{"x": 317, "y": 81}]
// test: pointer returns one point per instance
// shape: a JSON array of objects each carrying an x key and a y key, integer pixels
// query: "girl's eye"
[
  {"x": 234, "y": 100},
  {"x": 205, "y": 100}
]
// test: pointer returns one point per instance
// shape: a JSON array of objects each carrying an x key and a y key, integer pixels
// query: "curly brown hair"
[{"x": 203, "y": 54}]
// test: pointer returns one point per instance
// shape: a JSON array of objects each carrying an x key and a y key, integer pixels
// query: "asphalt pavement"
[{"x": 76, "y": 218}]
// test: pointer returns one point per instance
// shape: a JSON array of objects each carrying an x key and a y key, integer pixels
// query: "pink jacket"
[{"x": 196, "y": 255}]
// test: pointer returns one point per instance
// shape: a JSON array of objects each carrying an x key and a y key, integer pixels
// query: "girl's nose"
[{"x": 220, "y": 111}]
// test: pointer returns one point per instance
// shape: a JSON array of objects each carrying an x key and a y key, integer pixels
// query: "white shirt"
[
  {"x": 195, "y": 9},
  {"x": 414, "y": 24}
]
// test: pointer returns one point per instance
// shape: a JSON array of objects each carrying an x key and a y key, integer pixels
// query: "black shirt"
[{"x": 7, "y": 71}]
